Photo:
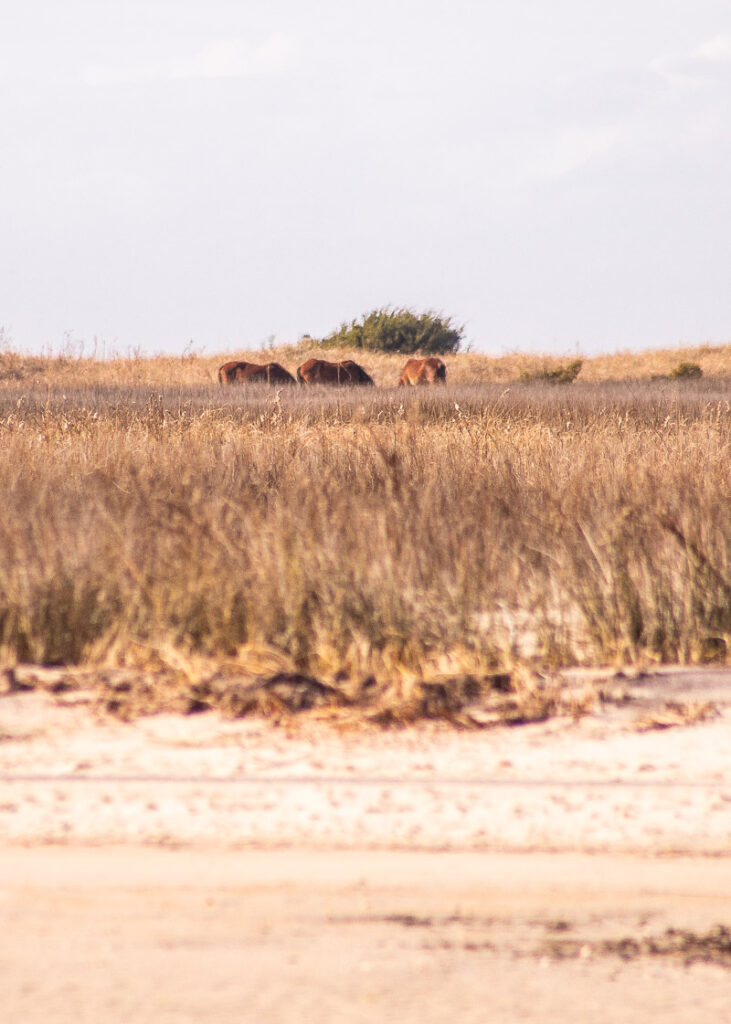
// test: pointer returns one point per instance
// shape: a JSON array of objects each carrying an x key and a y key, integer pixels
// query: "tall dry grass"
[{"x": 368, "y": 532}]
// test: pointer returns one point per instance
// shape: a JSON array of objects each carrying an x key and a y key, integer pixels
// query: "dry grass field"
[
  {"x": 365, "y": 539},
  {"x": 70, "y": 367}
]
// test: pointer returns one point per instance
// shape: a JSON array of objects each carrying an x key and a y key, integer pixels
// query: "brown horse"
[
  {"x": 423, "y": 371},
  {"x": 254, "y": 373},
  {"x": 320, "y": 371}
]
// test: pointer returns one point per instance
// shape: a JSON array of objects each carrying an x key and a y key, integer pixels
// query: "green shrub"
[
  {"x": 560, "y": 375},
  {"x": 398, "y": 330},
  {"x": 686, "y": 371}
]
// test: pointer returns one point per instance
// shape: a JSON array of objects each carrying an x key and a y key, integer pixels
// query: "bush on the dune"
[{"x": 398, "y": 330}]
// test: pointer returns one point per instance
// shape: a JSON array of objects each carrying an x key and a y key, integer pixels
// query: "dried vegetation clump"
[
  {"x": 711, "y": 947},
  {"x": 235, "y": 689},
  {"x": 388, "y": 546},
  {"x": 678, "y": 713}
]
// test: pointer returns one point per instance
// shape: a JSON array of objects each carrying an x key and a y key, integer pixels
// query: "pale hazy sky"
[{"x": 555, "y": 175}]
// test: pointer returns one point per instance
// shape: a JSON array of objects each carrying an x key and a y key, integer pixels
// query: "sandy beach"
[{"x": 186, "y": 868}]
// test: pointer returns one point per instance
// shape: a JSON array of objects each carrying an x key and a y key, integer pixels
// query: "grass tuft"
[
  {"x": 565, "y": 374},
  {"x": 687, "y": 371}
]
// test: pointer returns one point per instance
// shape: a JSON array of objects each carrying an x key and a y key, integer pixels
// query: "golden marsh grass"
[{"x": 365, "y": 538}]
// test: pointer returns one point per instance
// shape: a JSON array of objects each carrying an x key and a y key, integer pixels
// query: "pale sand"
[{"x": 402, "y": 876}]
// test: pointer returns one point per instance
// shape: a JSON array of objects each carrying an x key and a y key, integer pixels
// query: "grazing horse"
[
  {"x": 423, "y": 371},
  {"x": 254, "y": 373},
  {"x": 320, "y": 371}
]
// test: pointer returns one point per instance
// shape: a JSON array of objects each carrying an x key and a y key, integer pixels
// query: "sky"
[{"x": 180, "y": 175}]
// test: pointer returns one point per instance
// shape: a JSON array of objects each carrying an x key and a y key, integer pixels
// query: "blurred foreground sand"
[{"x": 188, "y": 869}]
